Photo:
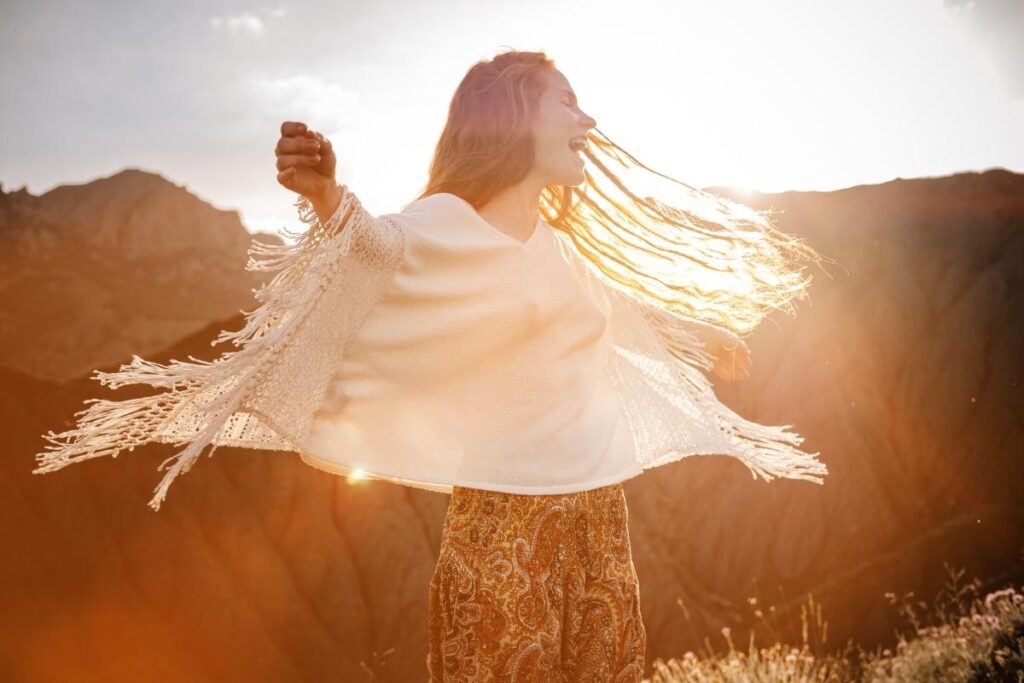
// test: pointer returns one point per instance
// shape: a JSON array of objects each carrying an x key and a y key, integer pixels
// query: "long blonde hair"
[{"x": 660, "y": 240}]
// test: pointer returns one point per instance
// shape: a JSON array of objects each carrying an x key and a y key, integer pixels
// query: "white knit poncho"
[
  {"x": 268, "y": 393},
  {"x": 482, "y": 365}
]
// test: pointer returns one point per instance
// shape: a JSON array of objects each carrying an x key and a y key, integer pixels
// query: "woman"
[{"x": 521, "y": 336}]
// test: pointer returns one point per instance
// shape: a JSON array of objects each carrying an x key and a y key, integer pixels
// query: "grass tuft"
[{"x": 962, "y": 637}]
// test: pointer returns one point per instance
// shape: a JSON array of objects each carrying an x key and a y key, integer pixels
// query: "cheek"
[
  {"x": 551, "y": 133},
  {"x": 554, "y": 154},
  {"x": 552, "y": 143},
  {"x": 547, "y": 149}
]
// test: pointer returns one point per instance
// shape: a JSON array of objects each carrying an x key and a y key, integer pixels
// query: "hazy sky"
[{"x": 780, "y": 95}]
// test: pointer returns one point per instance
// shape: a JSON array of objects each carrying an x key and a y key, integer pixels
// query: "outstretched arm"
[{"x": 264, "y": 394}]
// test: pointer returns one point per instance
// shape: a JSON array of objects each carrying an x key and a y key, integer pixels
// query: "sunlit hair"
[{"x": 657, "y": 239}]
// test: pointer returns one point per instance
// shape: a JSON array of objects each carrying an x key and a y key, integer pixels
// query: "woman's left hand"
[{"x": 732, "y": 356}]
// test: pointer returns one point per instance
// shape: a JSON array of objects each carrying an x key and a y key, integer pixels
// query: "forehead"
[{"x": 557, "y": 83}]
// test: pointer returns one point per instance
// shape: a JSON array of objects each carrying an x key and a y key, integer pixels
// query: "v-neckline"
[{"x": 522, "y": 244}]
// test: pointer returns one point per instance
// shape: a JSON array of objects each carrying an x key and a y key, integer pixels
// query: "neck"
[{"x": 514, "y": 209}]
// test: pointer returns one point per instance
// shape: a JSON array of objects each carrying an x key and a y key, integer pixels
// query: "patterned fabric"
[{"x": 535, "y": 588}]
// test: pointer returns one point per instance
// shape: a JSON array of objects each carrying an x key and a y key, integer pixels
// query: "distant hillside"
[{"x": 92, "y": 273}]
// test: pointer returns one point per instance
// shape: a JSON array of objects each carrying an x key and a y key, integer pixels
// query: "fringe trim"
[
  {"x": 767, "y": 450},
  {"x": 216, "y": 388}
]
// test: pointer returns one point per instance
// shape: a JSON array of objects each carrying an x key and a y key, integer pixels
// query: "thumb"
[{"x": 286, "y": 177}]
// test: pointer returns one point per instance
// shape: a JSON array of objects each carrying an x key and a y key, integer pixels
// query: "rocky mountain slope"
[
  {"x": 91, "y": 273},
  {"x": 904, "y": 369}
]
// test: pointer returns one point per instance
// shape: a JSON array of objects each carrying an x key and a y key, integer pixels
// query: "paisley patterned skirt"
[{"x": 535, "y": 588}]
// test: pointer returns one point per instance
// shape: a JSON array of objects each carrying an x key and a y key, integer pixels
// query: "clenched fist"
[{"x": 306, "y": 164}]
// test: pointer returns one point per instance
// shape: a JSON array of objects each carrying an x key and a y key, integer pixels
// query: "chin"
[
  {"x": 565, "y": 174},
  {"x": 573, "y": 178}
]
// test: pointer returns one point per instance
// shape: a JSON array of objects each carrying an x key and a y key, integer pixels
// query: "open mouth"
[{"x": 576, "y": 146}]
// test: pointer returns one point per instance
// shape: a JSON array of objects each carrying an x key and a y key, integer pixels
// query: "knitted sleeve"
[
  {"x": 657, "y": 366},
  {"x": 682, "y": 335},
  {"x": 264, "y": 394}
]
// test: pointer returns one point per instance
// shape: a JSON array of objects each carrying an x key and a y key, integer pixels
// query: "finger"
[
  {"x": 297, "y": 145},
  {"x": 291, "y": 160},
  {"x": 293, "y": 128},
  {"x": 325, "y": 145},
  {"x": 320, "y": 137}
]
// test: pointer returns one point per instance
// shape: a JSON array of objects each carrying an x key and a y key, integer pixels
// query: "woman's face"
[{"x": 559, "y": 120}]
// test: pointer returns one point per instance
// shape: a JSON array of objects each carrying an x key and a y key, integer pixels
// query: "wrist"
[{"x": 326, "y": 203}]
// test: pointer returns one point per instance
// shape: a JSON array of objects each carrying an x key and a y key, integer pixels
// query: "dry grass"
[{"x": 970, "y": 638}]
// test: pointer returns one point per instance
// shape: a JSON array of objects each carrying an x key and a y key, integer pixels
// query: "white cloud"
[
  {"x": 321, "y": 104},
  {"x": 246, "y": 22}
]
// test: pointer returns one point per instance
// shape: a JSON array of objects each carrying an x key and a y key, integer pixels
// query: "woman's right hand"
[{"x": 306, "y": 163}]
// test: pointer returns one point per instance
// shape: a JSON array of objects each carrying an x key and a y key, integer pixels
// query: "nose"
[{"x": 589, "y": 122}]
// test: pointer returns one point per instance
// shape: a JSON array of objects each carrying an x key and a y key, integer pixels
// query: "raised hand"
[{"x": 306, "y": 163}]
